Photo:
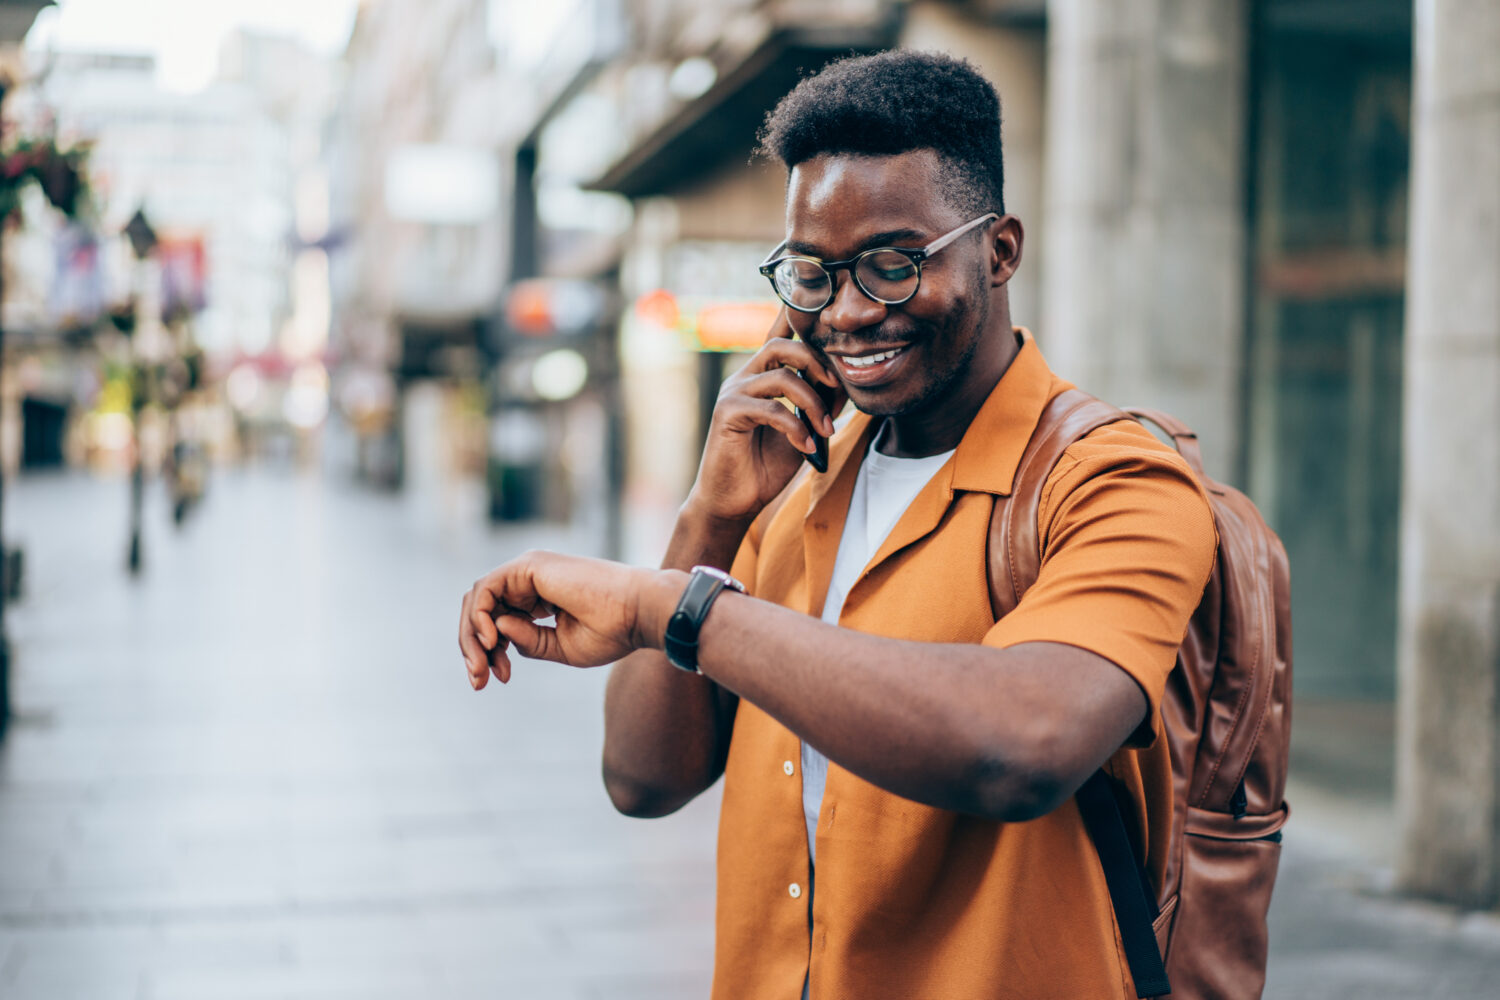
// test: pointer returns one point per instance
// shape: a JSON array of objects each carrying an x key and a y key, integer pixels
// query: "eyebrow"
[{"x": 885, "y": 239}]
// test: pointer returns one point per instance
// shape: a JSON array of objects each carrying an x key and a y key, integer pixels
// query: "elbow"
[
  {"x": 1008, "y": 788},
  {"x": 637, "y": 799}
]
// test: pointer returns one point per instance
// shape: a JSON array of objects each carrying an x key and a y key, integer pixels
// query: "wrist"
[
  {"x": 656, "y": 600},
  {"x": 702, "y": 520},
  {"x": 701, "y": 536},
  {"x": 682, "y": 635}
]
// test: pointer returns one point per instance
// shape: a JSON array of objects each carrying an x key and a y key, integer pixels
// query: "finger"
[
  {"x": 482, "y": 606},
  {"x": 484, "y": 630},
  {"x": 468, "y": 644},
  {"x": 530, "y": 639},
  {"x": 750, "y": 414},
  {"x": 786, "y": 383},
  {"x": 499, "y": 664},
  {"x": 781, "y": 352},
  {"x": 482, "y": 610}
]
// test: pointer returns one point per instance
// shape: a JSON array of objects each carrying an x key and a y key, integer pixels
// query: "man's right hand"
[{"x": 755, "y": 444}]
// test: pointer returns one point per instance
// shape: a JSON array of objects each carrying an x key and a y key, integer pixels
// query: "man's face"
[{"x": 840, "y": 205}]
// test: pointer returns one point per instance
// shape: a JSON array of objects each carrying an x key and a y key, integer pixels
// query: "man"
[{"x": 897, "y": 816}]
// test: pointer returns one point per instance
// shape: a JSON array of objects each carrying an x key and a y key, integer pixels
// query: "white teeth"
[{"x": 871, "y": 359}]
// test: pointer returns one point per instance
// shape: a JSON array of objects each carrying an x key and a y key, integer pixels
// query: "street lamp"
[{"x": 143, "y": 242}]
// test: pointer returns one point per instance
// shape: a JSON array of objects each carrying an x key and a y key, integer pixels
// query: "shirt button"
[
  {"x": 795, "y": 890},
  {"x": 788, "y": 768}
]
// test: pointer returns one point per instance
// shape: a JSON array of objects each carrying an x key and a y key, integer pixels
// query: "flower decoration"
[{"x": 60, "y": 173}]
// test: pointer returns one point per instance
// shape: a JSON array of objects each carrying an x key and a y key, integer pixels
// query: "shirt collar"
[
  {"x": 991, "y": 448},
  {"x": 987, "y": 456}
]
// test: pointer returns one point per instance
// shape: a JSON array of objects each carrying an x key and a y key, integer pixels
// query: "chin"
[{"x": 885, "y": 404}]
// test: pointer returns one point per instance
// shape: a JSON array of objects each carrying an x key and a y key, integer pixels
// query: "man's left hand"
[{"x": 602, "y": 610}]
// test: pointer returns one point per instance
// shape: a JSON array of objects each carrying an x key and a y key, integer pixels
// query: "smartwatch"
[{"x": 704, "y": 587}]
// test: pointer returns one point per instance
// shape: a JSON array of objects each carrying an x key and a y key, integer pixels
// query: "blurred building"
[
  {"x": 1218, "y": 198},
  {"x": 418, "y": 272},
  {"x": 226, "y": 178},
  {"x": 475, "y": 344},
  {"x": 212, "y": 164}
]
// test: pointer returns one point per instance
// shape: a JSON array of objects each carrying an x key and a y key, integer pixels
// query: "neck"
[{"x": 940, "y": 424}]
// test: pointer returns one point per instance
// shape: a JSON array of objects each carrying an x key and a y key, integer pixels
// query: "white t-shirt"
[{"x": 885, "y": 488}]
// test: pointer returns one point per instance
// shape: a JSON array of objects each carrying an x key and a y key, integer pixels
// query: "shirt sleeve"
[{"x": 1128, "y": 542}]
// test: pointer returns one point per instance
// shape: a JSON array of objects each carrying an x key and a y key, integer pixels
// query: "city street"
[{"x": 258, "y": 771}]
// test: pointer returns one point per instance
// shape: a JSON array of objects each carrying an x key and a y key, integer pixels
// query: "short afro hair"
[{"x": 894, "y": 102}]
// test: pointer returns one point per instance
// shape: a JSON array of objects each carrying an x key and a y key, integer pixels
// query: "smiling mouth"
[
  {"x": 866, "y": 360},
  {"x": 869, "y": 369}
]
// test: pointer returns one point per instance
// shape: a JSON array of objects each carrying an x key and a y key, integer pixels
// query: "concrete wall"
[
  {"x": 1448, "y": 729},
  {"x": 1014, "y": 60},
  {"x": 1143, "y": 285}
]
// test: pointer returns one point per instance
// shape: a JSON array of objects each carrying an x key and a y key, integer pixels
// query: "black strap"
[{"x": 1134, "y": 910}]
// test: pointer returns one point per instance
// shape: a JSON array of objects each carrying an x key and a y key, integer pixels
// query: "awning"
[{"x": 720, "y": 125}]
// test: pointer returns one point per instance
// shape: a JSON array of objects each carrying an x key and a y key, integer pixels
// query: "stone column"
[
  {"x": 1448, "y": 714},
  {"x": 1012, "y": 57},
  {"x": 1143, "y": 284}
]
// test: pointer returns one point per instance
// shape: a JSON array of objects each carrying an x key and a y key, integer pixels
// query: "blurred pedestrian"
[{"x": 899, "y": 766}]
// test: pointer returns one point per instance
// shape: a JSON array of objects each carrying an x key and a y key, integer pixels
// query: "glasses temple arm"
[
  {"x": 780, "y": 249},
  {"x": 943, "y": 241}
]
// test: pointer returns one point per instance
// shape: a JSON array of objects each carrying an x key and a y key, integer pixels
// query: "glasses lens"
[
  {"x": 887, "y": 275},
  {"x": 802, "y": 283}
]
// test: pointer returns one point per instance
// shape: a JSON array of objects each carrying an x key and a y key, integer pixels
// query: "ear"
[{"x": 1006, "y": 236}]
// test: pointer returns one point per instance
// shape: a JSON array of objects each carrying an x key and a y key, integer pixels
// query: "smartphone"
[{"x": 818, "y": 459}]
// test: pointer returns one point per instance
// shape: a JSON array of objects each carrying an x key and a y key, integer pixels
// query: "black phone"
[{"x": 818, "y": 459}]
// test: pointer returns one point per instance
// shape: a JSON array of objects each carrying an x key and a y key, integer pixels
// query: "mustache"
[{"x": 882, "y": 333}]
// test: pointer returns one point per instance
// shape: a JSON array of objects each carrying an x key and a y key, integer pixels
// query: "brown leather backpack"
[{"x": 1227, "y": 718}]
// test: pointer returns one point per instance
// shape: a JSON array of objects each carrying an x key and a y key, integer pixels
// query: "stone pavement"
[{"x": 259, "y": 772}]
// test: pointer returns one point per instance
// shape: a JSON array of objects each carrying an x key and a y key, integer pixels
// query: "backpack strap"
[
  {"x": 1135, "y": 910},
  {"x": 1015, "y": 558},
  {"x": 1015, "y": 551},
  {"x": 1184, "y": 439}
]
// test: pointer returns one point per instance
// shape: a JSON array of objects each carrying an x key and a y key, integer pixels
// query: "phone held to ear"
[{"x": 818, "y": 459}]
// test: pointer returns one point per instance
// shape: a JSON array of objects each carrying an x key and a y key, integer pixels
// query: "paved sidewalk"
[{"x": 259, "y": 772}]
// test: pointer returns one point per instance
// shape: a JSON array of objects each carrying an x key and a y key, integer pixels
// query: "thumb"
[{"x": 530, "y": 639}]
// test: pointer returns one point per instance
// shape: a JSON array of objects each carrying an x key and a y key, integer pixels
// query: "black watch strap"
[{"x": 704, "y": 587}]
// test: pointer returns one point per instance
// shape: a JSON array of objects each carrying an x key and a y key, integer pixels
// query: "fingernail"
[{"x": 808, "y": 445}]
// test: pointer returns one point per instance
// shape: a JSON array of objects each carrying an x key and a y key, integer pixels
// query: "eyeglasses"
[{"x": 889, "y": 275}]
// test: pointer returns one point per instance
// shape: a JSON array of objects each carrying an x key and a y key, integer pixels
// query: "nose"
[{"x": 851, "y": 309}]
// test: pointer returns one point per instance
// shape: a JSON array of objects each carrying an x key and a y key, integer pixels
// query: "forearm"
[
  {"x": 666, "y": 731},
  {"x": 958, "y": 726}
]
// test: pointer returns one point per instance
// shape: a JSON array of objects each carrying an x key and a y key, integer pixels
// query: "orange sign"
[
  {"x": 659, "y": 307},
  {"x": 736, "y": 326},
  {"x": 529, "y": 309}
]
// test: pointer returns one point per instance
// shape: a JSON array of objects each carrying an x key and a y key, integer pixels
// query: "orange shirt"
[{"x": 917, "y": 902}]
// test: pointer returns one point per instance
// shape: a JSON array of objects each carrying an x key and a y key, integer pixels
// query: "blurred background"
[{"x": 311, "y": 312}]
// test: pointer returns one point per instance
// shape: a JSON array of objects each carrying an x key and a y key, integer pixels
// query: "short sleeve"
[{"x": 1128, "y": 543}]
